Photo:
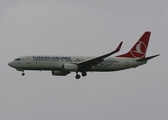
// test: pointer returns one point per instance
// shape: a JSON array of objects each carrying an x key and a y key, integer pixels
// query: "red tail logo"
[{"x": 140, "y": 48}]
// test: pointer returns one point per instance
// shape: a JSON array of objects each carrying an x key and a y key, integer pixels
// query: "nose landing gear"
[
  {"x": 21, "y": 71},
  {"x": 23, "y": 74}
]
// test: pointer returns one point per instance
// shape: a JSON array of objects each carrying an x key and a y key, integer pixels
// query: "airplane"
[{"x": 64, "y": 65}]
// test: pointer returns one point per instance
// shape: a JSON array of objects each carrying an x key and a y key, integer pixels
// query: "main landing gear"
[
  {"x": 78, "y": 76},
  {"x": 84, "y": 74}
]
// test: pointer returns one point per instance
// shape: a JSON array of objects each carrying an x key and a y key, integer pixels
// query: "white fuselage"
[
  {"x": 63, "y": 65},
  {"x": 56, "y": 62}
]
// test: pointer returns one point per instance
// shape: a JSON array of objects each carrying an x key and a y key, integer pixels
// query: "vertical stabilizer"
[{"x": 140, "y": 48}]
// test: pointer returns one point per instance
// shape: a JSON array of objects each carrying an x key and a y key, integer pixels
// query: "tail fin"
[{"x": 140, "y": 48}]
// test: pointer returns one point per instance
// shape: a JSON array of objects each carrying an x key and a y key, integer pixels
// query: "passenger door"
[
  {"x": 127, "y": 62},
  {"x": 27, "y": 60}
]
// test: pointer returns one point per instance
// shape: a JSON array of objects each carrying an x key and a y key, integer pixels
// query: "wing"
[{"x": 94, "y": 61}]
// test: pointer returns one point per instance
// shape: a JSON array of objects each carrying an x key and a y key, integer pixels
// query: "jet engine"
[
  {"x": 69, "y": 67},
  {"x": 59, "y": 73}
]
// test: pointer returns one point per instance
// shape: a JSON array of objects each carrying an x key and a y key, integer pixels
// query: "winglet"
[{"x": 119, "y": 46}]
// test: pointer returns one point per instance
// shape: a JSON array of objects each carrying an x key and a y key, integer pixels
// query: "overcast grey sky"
[{"x": 77, "y": 27}]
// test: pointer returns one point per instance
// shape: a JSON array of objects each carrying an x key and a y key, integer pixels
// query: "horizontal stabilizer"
[{"x": 147, "y": 58}]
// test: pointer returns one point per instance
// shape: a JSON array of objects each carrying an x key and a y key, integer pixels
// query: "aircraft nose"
[{"x": 11, "y": 64}]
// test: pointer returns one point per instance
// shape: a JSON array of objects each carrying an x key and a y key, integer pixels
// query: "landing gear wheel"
[
  {"x": 77, "y": 76},
  {"x": 23, "y": 74},
  {"x": 84, "y": 74}
]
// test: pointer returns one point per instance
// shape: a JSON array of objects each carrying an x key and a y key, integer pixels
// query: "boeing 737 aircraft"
[{"x": 63, "y": 65}]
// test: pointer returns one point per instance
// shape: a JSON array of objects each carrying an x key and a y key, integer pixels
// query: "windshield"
[{"x": 17, "y": 59}]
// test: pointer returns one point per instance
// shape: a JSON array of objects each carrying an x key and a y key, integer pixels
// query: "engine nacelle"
[
  {"x": 69, "y": 67},
  {"x": 59, "y": 73}
]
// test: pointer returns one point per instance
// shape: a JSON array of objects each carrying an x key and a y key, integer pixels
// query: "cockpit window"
[{"x": 17, "y": 59}]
